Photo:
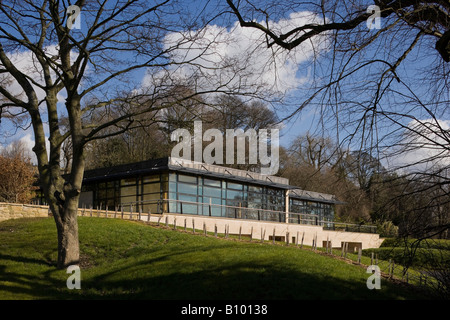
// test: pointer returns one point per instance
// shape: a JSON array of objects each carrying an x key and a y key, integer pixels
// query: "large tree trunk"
[
  {"x": 67, "y": 198},
  {"x": 67, "y": 211},
  {"x": 64, "y": 196},
  {"x": 68, "y": 244}
]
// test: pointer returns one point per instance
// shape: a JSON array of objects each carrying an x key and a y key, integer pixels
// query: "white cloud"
[
  {"x": 28, "y": 143},
  {"x": 239, "y": 58},
  {"x": 27, "y": 63}
]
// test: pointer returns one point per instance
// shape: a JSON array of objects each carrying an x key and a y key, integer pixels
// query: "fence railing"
[
  {"x": 348, "y": 227},
  {"x": 424, "y": 279},
  {"x": 236, "y": 212}
]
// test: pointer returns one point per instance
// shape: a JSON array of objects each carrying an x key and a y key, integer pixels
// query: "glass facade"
[
  {"x": 220, "y": 198},
  {"x": 310, "y": 212},
  {"x": 139, "y": 193},
  {"x": 177, "y": 192}
]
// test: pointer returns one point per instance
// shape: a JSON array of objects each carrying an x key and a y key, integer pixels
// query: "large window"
[
  {"x": 134, "y": 193},
  {"x": 255, "y": 197},
  {"x": 106, "y": 195},
  {"x": 184, "y": 190},
  {"x": 322, "y": 212},
  {"x": 223, "y": 198},
  {"x": 212, "y": 195},
  {"x": 153, "y": 188},
  {"x": 235, "y": 199}
]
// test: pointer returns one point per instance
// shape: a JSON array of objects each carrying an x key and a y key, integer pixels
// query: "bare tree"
[
  {"x": 357, "y": 81},
  {"x": 381, "y": 86},
  {"x": 51, "y": 69},
  {"x": 317, "y": 152},
  {"x": 384, "y": 91}
]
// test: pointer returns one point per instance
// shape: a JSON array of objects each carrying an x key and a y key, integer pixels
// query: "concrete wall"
[
  {"x": 15, "y": 211},
  {"x": 267, "y": 229}
]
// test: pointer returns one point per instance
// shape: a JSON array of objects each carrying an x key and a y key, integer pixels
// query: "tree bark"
[
  {"x": 67, "y": 209},
  {"x": 68, "y": 243}
]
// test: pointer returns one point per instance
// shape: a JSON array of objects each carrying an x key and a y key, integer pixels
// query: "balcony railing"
[{"x": 235, "y": 212}]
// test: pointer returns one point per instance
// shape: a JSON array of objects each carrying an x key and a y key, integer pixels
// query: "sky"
[
  {"x": 276, "y": 71},
  {"x": 238, "y": 57}
]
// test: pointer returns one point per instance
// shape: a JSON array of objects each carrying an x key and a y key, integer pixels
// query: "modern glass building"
[{"x": 172, "y": 185}]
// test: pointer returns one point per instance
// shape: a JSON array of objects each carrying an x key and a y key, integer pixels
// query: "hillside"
[{"x": 132, "y": 260}]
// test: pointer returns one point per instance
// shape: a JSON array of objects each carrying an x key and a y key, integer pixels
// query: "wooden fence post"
[
  {"x": 393, "y": 267},
  {"x": 389, "y": 267},
  {"x": 303, "y": 238},
  {"x": 273, "y": 236}
]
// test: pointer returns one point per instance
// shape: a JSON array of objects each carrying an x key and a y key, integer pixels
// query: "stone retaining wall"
[{"x": 17, "y": 210}]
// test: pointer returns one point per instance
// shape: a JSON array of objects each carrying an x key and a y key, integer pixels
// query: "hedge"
[
  {"x": 423, "y": 257},
  {"x": 440, "y": 244}
]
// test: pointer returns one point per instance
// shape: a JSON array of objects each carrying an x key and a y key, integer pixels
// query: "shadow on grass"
[
  {"x": 253, "y": 280},
  {"x": 236, "y": 282},
  {"x": 31, "y": 283}
]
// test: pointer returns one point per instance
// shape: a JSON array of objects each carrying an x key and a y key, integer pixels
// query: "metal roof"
[
  {"x": 311, "y": 195},
  {"x": 126, "y": 170},
  {"x": 178, "y": 164}
]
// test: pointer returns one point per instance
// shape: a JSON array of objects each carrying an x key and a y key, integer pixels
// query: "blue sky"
[{"x": 294, "y": 71}]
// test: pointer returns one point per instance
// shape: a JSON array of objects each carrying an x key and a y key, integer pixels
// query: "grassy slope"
[{"x": 131, "y": 260}]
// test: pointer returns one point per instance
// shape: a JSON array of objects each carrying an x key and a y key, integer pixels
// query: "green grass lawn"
[{"x": 131, "y": 260}]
